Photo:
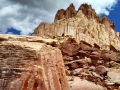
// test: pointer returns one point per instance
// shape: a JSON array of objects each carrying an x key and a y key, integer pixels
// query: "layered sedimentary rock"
[
  {"x": 84, "y": 25},
  {"x": 27, "y": 63}
]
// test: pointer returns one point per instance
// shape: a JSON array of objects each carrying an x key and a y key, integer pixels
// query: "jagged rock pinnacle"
[
  {"x": 87, "y": 10},
  {"x": 68, "y": 13}
]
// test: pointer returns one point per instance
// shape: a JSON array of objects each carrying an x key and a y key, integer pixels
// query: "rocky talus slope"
[{"x": 89, "y": 68}]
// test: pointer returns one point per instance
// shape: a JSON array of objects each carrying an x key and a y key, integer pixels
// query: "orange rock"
[
  {"x": 101, "y": 70},
  {"x": 68, "y": 13},
  {"x": 29, "y": 64},
  {"x": 69, "y": 47},
  {"x": 83, "y": 25},
  {"x": 108, "y": 23},
  {"x": 88, "y": 11}
]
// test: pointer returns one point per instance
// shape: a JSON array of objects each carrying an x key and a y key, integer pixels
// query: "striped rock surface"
[{"x": 27, "y": 63}]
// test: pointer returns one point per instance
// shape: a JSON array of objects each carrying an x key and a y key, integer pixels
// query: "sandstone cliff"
[
  {"x": 28, "y": 63},
  {"x": 78, "y": 51},
  {"x": 83, "y": 24}
]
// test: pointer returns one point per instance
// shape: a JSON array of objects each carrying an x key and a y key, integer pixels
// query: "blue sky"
[
  {"x": 115, "y": 16},
  {"x": 23, "y": 16}
]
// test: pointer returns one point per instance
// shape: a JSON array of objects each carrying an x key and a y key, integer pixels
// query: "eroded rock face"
[
  {"x": 27, "y": 63},
  {"x": 68, "y": 13},
  {"x": 83, "y": 25},
  {"x": 91, "y": 14},
  {"x": 88, "y": 11},
  {"x": 107, "y": 23}
]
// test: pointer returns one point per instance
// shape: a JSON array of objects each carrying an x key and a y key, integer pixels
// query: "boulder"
[
  {"x": 67, "y": 58},
  {"x": 85, "y": 46},
  {"x": 95, "y": 56},
  {"x": 76, "y": 83},
  {"x": 101, "y": 70},
  {"x": 69, "y": 47},
  {"x": 78, "y": 63},
  {"x": 114, "y": 77},
  {"x": 109, "y": 56},
  {"x": 112, "y": 64},
  {"x": 28, "y": 63},
  {"x": 83, "y": 53},
  {"x": 76, "y": 71}
]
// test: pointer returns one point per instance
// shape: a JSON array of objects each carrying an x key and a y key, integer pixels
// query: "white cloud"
[
  {"x": 25, "y": 15},
  {"x": 102, "y": 6}
]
